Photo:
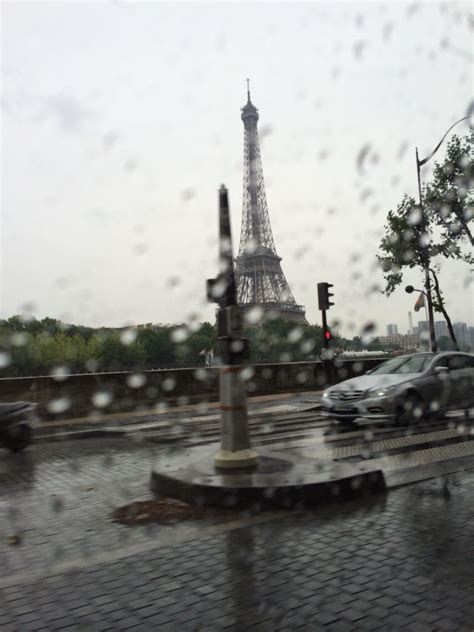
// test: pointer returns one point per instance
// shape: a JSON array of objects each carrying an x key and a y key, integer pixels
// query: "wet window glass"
[
  {"x": 235, "y": 239},
  {"x": 457, "y": 362},
  {"x": 416, "y": 364}
]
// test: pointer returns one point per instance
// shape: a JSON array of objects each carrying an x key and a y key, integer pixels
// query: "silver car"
[{"x": 405, "y": 388}]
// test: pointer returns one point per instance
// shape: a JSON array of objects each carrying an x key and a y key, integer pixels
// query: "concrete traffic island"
[{"x": 280, "y": 479}]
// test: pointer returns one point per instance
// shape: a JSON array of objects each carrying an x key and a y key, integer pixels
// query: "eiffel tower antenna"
[{"x": 261, "y": 284}]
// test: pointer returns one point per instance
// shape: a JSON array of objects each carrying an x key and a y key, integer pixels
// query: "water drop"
[
  {"x": 253, "y": 315},
  {"x": 180, "y": 334},
  {"x": 5, "y": 359},
  {"x": 101, "y": 399},
  {"x": 58, "y": 405},
  {"x": 168, "y": 384},
  {"x": 60, "y": 373},
  {"x": 19, "y": 339},
  {"x": 295, "y": 334},
  {"x": 136, "y": 380},
  {"x": 128, "y": 336}
]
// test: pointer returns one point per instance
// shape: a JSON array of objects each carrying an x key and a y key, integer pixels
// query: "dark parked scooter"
[{"x": 15, "y": 425}]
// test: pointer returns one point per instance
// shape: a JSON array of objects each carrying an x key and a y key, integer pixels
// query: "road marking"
[
  {"x": 374, "y": 446},
  {"x": 423, "y": 457}
]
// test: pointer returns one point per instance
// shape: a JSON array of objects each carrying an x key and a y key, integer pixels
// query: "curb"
[{"x": 280, "y": 481}]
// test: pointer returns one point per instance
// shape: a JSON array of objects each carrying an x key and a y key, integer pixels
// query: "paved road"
[{"x": 403, "y": 560}]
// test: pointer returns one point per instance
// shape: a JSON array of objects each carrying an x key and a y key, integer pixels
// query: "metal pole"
[
  {"x": 426, "y": 262},
  {"x": 426, "y": 258},
  {"x": 328, "y": 365},
  {"x": 235, "y": 451},
  {"x": 325, "y": 326}
]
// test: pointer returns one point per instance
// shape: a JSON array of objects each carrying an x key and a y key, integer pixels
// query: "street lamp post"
[
  {"x": 426, "y": 256},
  {"x": 409, "y": 290}
]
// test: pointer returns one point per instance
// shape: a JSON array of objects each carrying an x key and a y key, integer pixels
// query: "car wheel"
[
  {"x": 410, "y": 409},
  {"x": 18, "y": 438}
]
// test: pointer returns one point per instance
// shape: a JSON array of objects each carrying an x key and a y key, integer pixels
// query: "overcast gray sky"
[{"x": 121, "y": 120}]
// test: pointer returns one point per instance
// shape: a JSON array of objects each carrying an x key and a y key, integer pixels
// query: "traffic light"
[
  {"x": 324, "y": 296},
  {"x": 327, "y": 334}
]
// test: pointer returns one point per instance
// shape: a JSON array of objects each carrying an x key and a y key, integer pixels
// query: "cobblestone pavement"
[{"x": 403, "y": 560}]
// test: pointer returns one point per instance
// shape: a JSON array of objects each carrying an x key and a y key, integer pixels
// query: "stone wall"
[{"x": 83, "y": 394}]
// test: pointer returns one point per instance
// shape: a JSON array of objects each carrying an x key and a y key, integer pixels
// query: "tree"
[
  {"x": 278, "y": 340},
  {"x": 448, "y": 211},
  {"x": 449, "y": 197},
  {"x": 448, "y": 205},
  {"x": 114, "y": 355},
  {"x": 355, "y": 344},
  {"x": 159, "y": 348},
  {"x": 438, "y": 305},
  {"x": 404, "y": 244}
]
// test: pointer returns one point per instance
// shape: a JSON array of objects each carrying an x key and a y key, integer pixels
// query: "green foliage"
[
  {"x": 41, "y": 347},
  {"x": 115, "y": 355},
  {"x": 188, "y": 352},
  {"x": 281, "y": 341},
  {"x": 159, "y": 348},
  {"x": 406, "y": 242},
  {"x": 355, "y": 344},
  {"x": 449, "y": 196}
]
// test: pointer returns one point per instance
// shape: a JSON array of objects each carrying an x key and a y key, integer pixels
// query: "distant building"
[
  {"x": 406, "y": 343},
  {"x": 423, "y": 326},
  {"x": 146, "y": 326},
  {"x": 441, "y": 328},
  {"x": 461, "y": 333},
  {"x": 392, "y": 330},
  {"x": 423, "y": 334},
  {"x": 471, "y": 337}
]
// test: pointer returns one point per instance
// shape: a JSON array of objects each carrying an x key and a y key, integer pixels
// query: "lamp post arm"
[
  {"x": 425, "y": 160},
  {"x": 420, "y": 291}
]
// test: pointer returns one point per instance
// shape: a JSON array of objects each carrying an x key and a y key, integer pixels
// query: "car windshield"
[{"x": 413, "y": 364}]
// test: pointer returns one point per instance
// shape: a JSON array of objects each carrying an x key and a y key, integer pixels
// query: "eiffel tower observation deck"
[{"x": 262, "y": 289}]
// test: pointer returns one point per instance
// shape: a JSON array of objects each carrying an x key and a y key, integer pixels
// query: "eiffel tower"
[{"x": 261, "y": 285}]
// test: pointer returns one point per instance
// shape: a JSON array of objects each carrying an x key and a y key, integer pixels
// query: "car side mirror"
[{"x": 441, "y": 370}]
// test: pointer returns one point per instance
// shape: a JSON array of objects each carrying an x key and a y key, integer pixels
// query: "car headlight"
[
  {"x": 325, "y": 394},
  {"x": 382, "y": 391}
]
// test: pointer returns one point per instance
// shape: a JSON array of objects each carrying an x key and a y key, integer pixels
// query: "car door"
[
  {"x": 461, "y": 373},
  {"x": 439, "y": 387}
]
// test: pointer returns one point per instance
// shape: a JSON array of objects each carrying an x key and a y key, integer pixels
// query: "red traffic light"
[{"x": 327, "y": 334}]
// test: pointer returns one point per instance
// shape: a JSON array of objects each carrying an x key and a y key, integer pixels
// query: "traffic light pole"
[
  {"x": 327, "y": 361},
  {"x": 325, "y": 328}
]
